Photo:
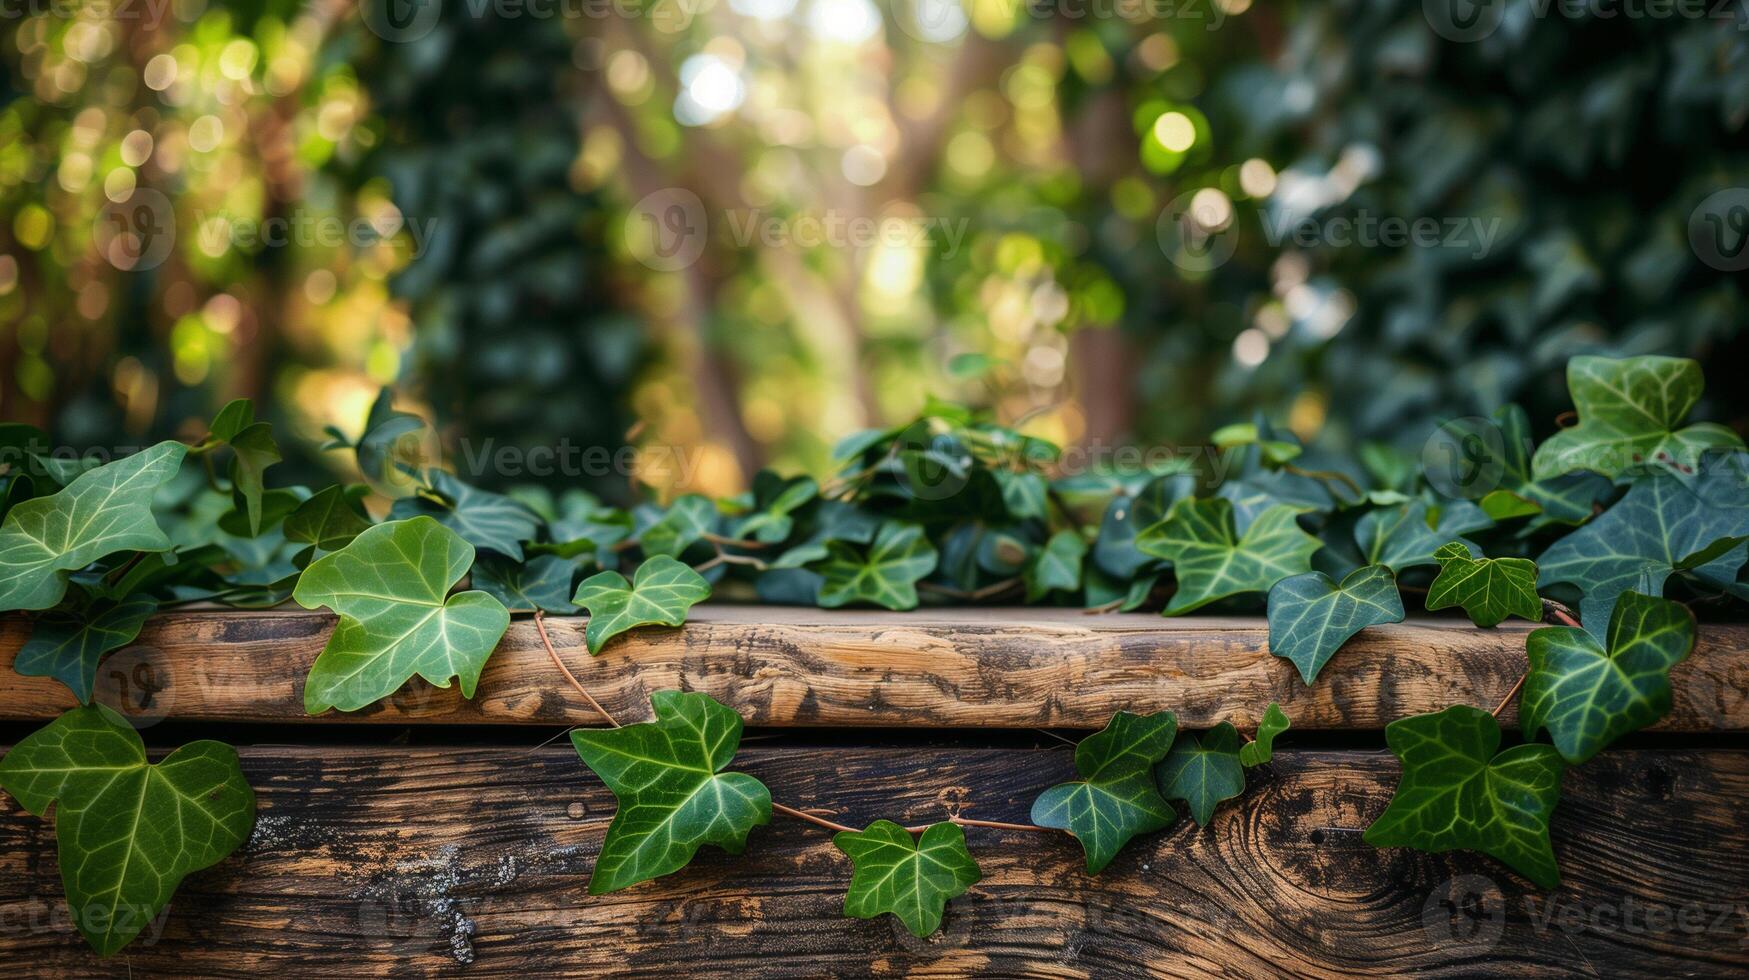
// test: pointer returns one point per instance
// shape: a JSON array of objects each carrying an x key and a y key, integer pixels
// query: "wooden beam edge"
[{"x": 785, "y": 667}]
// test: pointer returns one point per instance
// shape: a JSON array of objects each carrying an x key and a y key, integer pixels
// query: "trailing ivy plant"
[{"x": 1629, "y": 516}]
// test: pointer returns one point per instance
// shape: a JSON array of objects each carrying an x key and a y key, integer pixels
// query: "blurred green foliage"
[{"x": 1060, "y": 182}]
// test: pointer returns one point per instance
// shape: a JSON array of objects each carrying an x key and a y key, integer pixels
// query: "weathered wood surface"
[
  {"x": 412, "y": 861},
  {"x": 777, "y": 666}
]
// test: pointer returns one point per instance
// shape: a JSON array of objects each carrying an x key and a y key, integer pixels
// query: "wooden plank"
[
  {"x": 779, "y": 666},
  {"x": 412, "y": 861}
]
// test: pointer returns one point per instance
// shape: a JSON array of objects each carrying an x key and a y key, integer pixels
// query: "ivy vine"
[{"x": 1591, "y": 529}]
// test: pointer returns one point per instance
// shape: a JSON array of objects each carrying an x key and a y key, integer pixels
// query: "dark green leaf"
[
  {"x": 1056, "y": 566},
  {"x": 886, "y": 574},
  {"x": 1488, "y": 589},
  {"x": 330, "y": 518},
  {"x": 673, "y": 793},
  {"x": 1116, "y": 798},
  {"x": 485, "y": 520},
  {"x": 1456, "y": 793},
  {"x": 128, "y": 832},
  {"x": 543, "y": 582},
  {"x": 1212, "y": 560},
  {"x": 69, "y": 645},
  {"x": 1203, "y": 771},
  {"x": 1310, "y": 616},
  {"x": 1587, "y": 695}
]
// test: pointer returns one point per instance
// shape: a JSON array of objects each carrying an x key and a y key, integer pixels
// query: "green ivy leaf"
[
  {"x": 1587, "y": 695},
  {"x": 542, "y": 582},
  {"x": 1310, "y": 616},
  {"x": 1212, "y": 561},
  {"x": 886, "y": 574},
  {"x": 102, "y": 511},
  {"x": 1476, "y": 450},
  {"x": 252, "y": 452},
  {"x": 1263, "y": 749},
  {"x": 1629, "y": 410},
  {"x": 686, "y": 520},
  {"x": 1650, "y": 533},
  {"x": 911, "y": 878},
  {"x": 1116, "y": 798},
  {"x": 1408, "y": 534},
  {"x": 69, "y": 645},
  {"x": 659, "y": 595},
  {"x": 127, "y": 832},
  {"x": 1056, "y": 566},
  {"x": 1127, "y": 518},
  {"x": 673, "y": 794},
  {"x": 1025, "y": 494},
  {"x": 775, "y": 499},
  {"x": 389, "y": 587},
  {"x": 330, "y": 518},
  {"x": 485, "y": 520},
  {"x": 1457, "y": 793},
  {"x": 1203, "y": 771},
  {"x": 1488, "y": 589}
]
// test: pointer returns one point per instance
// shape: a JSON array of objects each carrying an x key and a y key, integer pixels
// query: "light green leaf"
[
  {"x": 69, "y": 645},
  {"x": 542, "y": 582},
  {"x": 1488, "y": 589},
  {"x": 1456, "y": 793},
  {"x": 389, "y": 587},
  {"x": 1056, "y": 566},
  {"x": 673, "y": 794},
  {"x": 886, "y": 574},
  {"x": 911, "y": 878},
  {"x": 1629, "y": 410},
  {"x": 660, "y": 594},
  {"x": 774, "y": 500},
  {"x": 1310, "y": 616},
  {"x": 330, "y": 518},
  {"x": 1650, "y": 533},
  {"x": 1116, "y": 798},
  {"x": 1258, "y": 752},
  {"x": 1025, "y": 494},
  {"x": 1203, "y": 771},
  {"x": 252, "y": 452},
  {"x": 127, "y": 832},
  {"x": 485, "y": 520},
  {"x": 103, "y": 511},
  {"x": 1212, "y": 561},
  {"x": 1587, "y": 695}
]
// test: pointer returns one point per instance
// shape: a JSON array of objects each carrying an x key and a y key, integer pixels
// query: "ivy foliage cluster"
[{"x": 1630, "y": 515}]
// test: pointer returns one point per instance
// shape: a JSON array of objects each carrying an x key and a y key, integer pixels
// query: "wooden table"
[{"x": 432, "y": 835}]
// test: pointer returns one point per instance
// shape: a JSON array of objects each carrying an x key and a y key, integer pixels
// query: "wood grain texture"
[
  {"x": 780, "y": 666},
  {"x": 412, "y": 862}
]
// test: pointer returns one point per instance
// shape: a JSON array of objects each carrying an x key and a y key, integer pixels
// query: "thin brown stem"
[
  {"x": 1509, "y": 696},
  {"x": 790, "y": 811},
  {"x": 546, "y": 641},
  {"x": 999, "y": 825},
  {"x": 973, "y": 595},
  {"x": 1327, "y": 476}
]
